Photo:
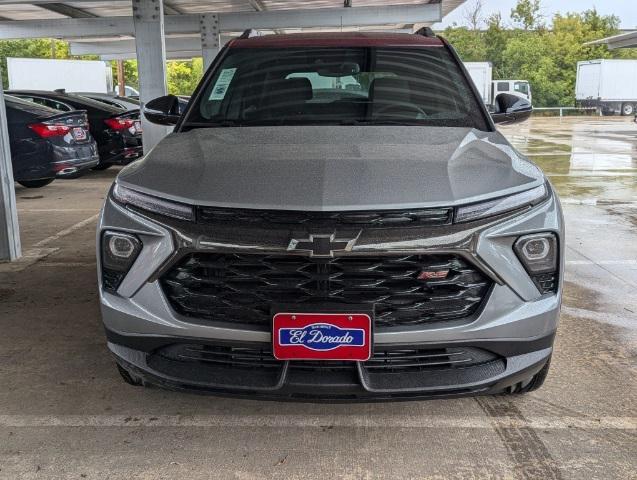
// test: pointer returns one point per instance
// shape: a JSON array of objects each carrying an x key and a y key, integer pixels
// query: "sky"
[{"x": 626, "y": 10}]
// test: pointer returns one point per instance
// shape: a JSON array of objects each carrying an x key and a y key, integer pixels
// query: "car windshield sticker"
[{"x": 223, "y": 82}]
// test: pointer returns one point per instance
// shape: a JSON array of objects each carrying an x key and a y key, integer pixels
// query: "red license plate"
[
  {"x": 322, "y": 336},
  {"x": 79, "y": 133}
]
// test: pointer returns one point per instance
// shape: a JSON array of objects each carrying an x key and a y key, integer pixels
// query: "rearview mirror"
[
  {"x": 339, "y": 69},
  {"x": 162, "y": 110},
  {"x": 511, "y": 109}
]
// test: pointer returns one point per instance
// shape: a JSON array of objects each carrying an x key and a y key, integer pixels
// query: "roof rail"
[
  {"x": 249, "y": 33},
  {"x": 425, "y": 32}
]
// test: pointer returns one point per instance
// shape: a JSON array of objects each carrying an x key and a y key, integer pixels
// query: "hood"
[{"x": 317, "y": 168}]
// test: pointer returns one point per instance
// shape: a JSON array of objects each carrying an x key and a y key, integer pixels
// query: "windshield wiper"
[
  {"x": 381, "y": 122},
  {"x": 222, "y": 123}
]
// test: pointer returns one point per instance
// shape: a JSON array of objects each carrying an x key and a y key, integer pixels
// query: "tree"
[
  {"x": 527, "y": 14},
  {"x": 469, "y": 43},
  {"x": 472, "y": 14}
]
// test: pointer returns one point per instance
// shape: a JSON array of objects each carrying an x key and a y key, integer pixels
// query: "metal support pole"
[
  {"x": 148, "y": 18},
  {"x": 209, "y": 38},
  {"x": 9, "y": 231}
]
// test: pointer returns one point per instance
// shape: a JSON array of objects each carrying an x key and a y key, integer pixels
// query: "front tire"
[
  {"x": 533, "y": 383},
  {"x": 35, "y": 183},
  {"x": 628, "y": 109}
]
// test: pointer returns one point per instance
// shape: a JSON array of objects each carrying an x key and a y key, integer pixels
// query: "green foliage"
[
  {"x": 183, "y": 77},
  {"x": 547, "y": 58},
  {"x": 527, "y": 14}
]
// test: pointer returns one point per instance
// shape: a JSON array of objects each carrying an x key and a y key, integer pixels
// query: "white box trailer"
[
  {"x": 610, "y": 85},
  {"x": 482, "y": 75},
  {"x": 50, "y": 74}
]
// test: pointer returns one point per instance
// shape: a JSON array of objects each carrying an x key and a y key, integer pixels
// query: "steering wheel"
[{"x": 420, "y": 113}]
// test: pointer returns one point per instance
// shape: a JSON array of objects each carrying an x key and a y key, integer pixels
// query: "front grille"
[
  {"x": 242, "y": 288},
  {"x": 386, "y": 360},
  {"x": 381, "y": 218}
]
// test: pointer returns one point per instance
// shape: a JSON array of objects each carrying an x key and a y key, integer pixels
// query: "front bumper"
[
  {"x": 121, "y": 149},
  {"x": 516, "y": 323}
]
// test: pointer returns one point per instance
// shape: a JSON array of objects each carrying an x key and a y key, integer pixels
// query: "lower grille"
[
  {"x": 386, "y": 360},
  {"x": 403, "y": 290}
]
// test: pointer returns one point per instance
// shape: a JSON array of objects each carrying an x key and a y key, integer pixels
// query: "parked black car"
[
  {"x": 129, "y": 103},
  {"x": 113, "y": 100},
  {"x": 46, "y": 143},
  {"x": 117, "y": 131}
]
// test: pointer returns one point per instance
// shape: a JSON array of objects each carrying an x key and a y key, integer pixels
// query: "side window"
[
  {"x": 59, "y": 106},
  {"x": 49, "y": 103},
  {"x": 503, "y": 86},
  {"x": 521, "y": 87}
]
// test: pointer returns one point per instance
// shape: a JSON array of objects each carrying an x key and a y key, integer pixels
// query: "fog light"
[
  {"x": 538, "y": 253},
  {"x": 119, "y": 252},
  {"x": 121, "y": 247},
  {"x": 536, "y": 249}
]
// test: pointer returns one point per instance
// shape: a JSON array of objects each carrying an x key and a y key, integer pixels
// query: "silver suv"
[{"x": 334, "y": 217}]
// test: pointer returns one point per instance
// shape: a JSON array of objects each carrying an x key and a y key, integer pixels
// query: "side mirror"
[
  {"x": 511, "y": 109},
  {"x": 162, "y": 110}
]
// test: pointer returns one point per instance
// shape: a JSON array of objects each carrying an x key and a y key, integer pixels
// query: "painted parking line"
[
  {"x": 602, "y": 262},
  {"x": 55, "y": 210},
  {"x": 66, "y": 231},
  {"x": 318, "y": 421},
  {"x": 40, "y": 250}
]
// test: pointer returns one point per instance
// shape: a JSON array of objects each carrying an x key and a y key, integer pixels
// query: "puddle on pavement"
[{"x": 533, "y": 146}]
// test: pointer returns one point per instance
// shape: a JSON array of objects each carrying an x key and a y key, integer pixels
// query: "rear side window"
[
  {"x": 337, "y": 86},
  {"x": 47, "y": 102},
  {"x": 21, "y": 104}
]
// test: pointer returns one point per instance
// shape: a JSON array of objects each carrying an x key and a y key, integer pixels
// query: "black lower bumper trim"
[{"x": 490, "y": 373}]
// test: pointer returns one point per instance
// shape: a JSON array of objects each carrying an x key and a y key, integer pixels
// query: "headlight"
[
  {"x": 151, "y": 203},
  {"x": 119, "y": 252},
  {"x": 502, "y": 204}
]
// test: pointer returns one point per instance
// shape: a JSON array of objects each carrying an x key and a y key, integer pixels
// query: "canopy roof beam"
[
  {"x": 228, "y": 22},
  {"x": 67, "y": 10}
]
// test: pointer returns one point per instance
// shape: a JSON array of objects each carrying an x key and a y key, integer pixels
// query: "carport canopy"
[
  {"x": 154, "y": 30},
  {"x": 623, "y": 40}
]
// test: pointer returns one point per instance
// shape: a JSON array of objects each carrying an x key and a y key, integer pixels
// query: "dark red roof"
[{"x": 332, "y": 39}]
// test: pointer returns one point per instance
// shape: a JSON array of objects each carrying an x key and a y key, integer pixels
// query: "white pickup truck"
[{"x": 482, "y": 75}]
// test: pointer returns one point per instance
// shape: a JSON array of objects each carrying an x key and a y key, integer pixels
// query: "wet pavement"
[{"x": 64, "y": 413}]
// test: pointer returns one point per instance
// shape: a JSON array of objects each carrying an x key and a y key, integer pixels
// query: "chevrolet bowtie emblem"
[{"x": 321, "y": 245}]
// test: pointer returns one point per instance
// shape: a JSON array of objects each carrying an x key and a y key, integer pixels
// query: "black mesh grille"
[
  {"x": 406, "y": 359},
  {"x": 241, "y": 288},
  {"x": 382, "y": 218}
]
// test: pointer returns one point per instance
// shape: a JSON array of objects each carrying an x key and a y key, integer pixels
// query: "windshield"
[{"x": 337, "y": 86}]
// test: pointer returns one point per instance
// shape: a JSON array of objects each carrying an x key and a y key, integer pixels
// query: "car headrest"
[
  {"x": 289, "y": 91},
  {"x": 390, "y": 90}
]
